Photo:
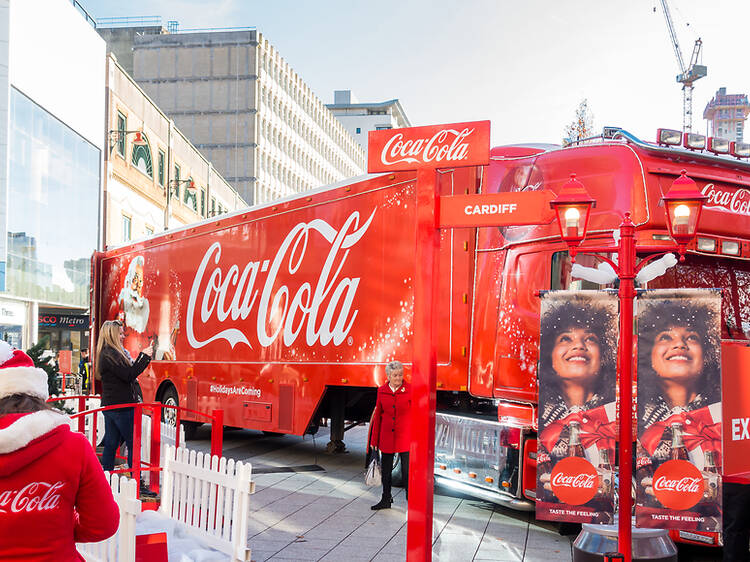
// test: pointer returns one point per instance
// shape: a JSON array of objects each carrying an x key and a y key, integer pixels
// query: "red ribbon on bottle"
[
  {"x": 699, "y": 430},
  {"x": 596, "y": 429}
]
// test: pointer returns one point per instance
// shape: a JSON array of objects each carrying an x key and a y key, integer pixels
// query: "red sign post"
[{"x": 426, "y": 149}]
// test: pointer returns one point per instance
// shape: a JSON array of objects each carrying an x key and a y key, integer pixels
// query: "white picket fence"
[
  {"x": 212, "y": 496},
  {"x": 121, "y": 546},
  {"x": 168, "y": 434}
]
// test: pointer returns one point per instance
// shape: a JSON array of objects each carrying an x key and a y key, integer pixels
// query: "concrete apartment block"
[{"x": 244, "y": 108}]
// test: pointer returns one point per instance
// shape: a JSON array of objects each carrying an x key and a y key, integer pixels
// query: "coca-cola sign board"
[
  {"x": 434, "y": 146},
  {"x": 577, "y": 427},
  {"x": 496, "y": 209},
  {"x": 735, "y": 359},
  {"x": 678, "y": 485},
  {"x": 574, "y": 480},
  {"x": 273, "y": 291},
  {"x": 679, "y": 453}
]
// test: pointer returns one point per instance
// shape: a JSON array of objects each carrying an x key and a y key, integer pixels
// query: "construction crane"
[{"x": 687, "y": 76}]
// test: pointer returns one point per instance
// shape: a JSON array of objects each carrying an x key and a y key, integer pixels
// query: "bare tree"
[{"x": 582, "y": 126}]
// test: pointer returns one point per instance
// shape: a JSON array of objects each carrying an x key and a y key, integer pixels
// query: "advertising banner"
[
  {"x": 678, "y": 453},
  {"x": 577, "y": 416},
  {"x": 735, "y": 374}
]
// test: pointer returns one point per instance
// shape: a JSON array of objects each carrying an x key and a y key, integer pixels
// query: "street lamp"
[
  {"x": 189, "y": 184},
  {"x": 116, "y": 135},
  {"x": 572, "y": 206},
  {"x": 175, "y": 184}
]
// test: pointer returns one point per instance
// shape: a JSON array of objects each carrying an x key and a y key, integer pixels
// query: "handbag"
[{"x": 373, "y": 474}]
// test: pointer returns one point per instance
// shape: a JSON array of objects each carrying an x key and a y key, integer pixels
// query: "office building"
[
  {"x": 149, "y": 158},
  {"x": 361, "y": 118},
  {"x": 52, "y": 119},
  {"x": 242, "y": 105},
  {"x": 726, "y": 115}
]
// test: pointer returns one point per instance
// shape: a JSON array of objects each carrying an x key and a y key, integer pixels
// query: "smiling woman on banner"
[
  {"x": 577, "y": 396},
  {"x": 577, "y": 361},
  {"x": 679, "y": 380},
  {"x": 679, "y": 392}
]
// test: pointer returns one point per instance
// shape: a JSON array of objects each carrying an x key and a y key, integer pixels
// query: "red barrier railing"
[{"x": 215, "y": 418}]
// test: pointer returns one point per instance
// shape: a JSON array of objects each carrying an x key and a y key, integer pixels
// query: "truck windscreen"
[{"x": 732, "y": 276}]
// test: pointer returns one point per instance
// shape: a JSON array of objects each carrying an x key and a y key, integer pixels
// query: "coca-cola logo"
[
  {"x": 34, "y": 496},
  {"x": 443, "y": 147},
  {"x": 678, "y": 484},
  {"x": 734, "y": 200},
  {"x": 225, "y": 295},
  {"x": 574, "y": 480}
]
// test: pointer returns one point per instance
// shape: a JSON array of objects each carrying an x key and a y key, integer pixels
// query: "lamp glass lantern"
[
  {"x": 572, "y": 207},
  {"x": 684, "y": 204}
]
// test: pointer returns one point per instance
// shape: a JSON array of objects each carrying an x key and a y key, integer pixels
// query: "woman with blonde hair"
[{"x": 118, "y": 373}]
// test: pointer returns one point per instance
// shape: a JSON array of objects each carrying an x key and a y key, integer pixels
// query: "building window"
[
  {"x": 126, "y": 228},
  {"x": 213, "y": 207},
  {"x": 41, "y": 264},
  {"x": 359, "y": 130},
  {"x": 149, "y": 231},
  {"x": 382, "y": 127},
  {"x": 203, "y": 202},
  {"x": 160, "y": 166},
  {"x": 176, "y": 182},
  {"x": 141, "y": 157},
  {"x": 122, "y": 126}
]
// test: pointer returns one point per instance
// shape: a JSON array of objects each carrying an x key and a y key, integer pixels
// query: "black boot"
[{"x": 382, "y": 504}]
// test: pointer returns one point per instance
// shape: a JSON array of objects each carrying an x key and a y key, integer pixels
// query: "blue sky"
[{"x": 523, "y": 65}]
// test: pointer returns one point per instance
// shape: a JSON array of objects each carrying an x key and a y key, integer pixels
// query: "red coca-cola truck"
[{"x": 285, "y": 314}]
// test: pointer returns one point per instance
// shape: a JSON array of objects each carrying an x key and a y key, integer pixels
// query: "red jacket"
[
  {"x": 53, "y": 491},
  {"x": 391, "y": 420}
]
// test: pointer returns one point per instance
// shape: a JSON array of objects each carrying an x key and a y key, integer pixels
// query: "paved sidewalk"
[{"x": 300, "y": 512}]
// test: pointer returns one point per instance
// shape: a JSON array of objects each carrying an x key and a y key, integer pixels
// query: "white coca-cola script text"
[
  {"x": 574, "y": 480},
  {"x": 446, "y": 146},
  {"x": 685, "y": 484},
  {"x": 735, "y": 200},
  {"x": 321, "y": 309},
  {"x": 34, "y": 496}
]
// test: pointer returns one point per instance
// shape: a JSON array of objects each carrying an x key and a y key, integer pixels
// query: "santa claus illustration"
[{"x": 131, "y": 300}]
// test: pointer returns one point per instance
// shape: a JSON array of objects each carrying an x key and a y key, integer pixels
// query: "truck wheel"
[
  {"x": 169, "y": 398},
  {"x": 169, "y": 416}
]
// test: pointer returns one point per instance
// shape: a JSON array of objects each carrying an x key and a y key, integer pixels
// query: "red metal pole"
[
  {"x": 135, "y": 470},
  {"x": 217, "y": 432},
  {"x": 424, "y": 373},
  {"x": 626, "y": 259},
  {"x": 81, "y": 420},
  {"x": 155, "y": 454}
]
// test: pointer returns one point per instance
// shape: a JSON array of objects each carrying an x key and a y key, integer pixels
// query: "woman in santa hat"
[{"x": 53, "y": 492}]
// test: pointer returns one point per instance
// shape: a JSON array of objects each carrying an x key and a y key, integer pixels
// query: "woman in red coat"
[
  {"x": 390, "y": 428},
  {"x": 53, "y": 492}
]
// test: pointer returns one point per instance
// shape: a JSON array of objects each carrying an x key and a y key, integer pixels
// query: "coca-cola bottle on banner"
[
  {"x": 678, "y": 450},
  {"x": 605, "y": 473},
  {"x": 544, "y": 470},
  {"x": 575, "y": 449},
  {"x": 711, "y": 478}
]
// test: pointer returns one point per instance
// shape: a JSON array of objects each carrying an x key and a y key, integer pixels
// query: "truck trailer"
[{"x": 285, "y": 314}]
